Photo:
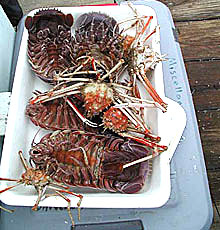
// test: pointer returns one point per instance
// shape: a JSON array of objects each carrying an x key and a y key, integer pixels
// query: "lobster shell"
[
  {"x": 97, "y": 35},
  {"x": 49, "y": 40},
  {"x": 53, "y": 115},
  {"x": 87, "y": 159}
]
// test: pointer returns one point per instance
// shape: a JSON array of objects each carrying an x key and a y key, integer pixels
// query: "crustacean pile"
[{"x": 95, "y": 110}]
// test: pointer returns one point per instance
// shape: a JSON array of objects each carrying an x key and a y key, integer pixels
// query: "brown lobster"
[
  {"x": 80, "y": 158},
  {"x": 49, "y": 41}
]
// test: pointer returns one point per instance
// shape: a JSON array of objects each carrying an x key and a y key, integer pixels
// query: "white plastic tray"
[{"x": 20, "y": 132}]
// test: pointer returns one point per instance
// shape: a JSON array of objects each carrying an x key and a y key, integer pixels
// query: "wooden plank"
[
  {"x": 208, "y": 75},
  {"x": 215, "y": 226},
  {"x": 216, "y": 218},
  {"x": 199, "y": 39},
  {"x": 29, "y": 5},
  {"x": 211, "y": 154},
  {"x": 214, "y": 183},
  {"x": 206, "y": 99},
  {"x": 209, "y": 126},
  {"x": 183, "y": 10}
]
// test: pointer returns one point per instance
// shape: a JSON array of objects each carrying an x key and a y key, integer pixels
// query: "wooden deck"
[{"x": 198, "y": 25}]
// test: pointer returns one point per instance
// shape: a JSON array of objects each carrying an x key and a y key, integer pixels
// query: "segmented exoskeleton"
[
  {"x": 54, "y": 115},
  {"x": 98, "y": 51},
  {"x": 49, "y": 40},
  {"x": 87, "y": 159},
  {"x": 95, "y": 87}
]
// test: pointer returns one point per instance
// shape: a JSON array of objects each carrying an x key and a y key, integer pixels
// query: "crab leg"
[
  {"x": 128, "y": 20},
  {"x": 152, "y": 104},
  {"x": 40, "y": 195},
  {"x": 113, "y": 69},
  {"x": 78, "y": 73},
  {"x": 10, "y": 187},
  {"x": 154, "y": 31},
  {"x": 136, "y": 105},
  {"x": 121, "y": 86},
  {"x": 137, "y": 123},
  {"x": 140, "y": 34},
  {"x": 73, "y": 79},
  {"x": 6, "y": 210},
  {"x": 131, "y": 117},
  {"x": 50, "y": 98}
]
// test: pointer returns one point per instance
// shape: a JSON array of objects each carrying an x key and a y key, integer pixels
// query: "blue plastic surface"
[
  {"x": 7, "y": 38},
  {"x": 189, "y": 206}
]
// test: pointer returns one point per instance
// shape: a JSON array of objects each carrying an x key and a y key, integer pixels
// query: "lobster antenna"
[
  {"x": 32, "y": 143},
  {"x": 24, "y": 162}
]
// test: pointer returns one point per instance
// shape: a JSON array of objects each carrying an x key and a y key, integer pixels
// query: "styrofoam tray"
[{"x": 20, "y": 132}]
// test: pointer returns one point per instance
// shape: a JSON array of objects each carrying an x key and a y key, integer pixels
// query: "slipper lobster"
[
  {"x": 49, "y": 40},
  {"x": 80, "y": 158}
]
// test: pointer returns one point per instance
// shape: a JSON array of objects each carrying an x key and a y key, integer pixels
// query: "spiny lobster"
[
  {"x": 80, "y": 158},
  {"x": 100, "y": 53},
  {"x": 41, "y": 180}
]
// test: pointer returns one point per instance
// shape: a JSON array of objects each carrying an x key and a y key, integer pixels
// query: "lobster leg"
[
  {"x": 152, "y": 91},
  {"x": 6, "y": 210},
  {"x": 59, "y": 193},
  {"x": 77, "y": 195},
  {"x": 85, "y": 120},
  {"x": 8, "y": 188},
  {"x": 157, "y": 147}
]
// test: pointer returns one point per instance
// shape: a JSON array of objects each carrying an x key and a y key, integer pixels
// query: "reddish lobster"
[
  {"x": 49, "y": 41},
  {"x": 87, "y": 159},
  {"x": 92, "y": 94}
]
